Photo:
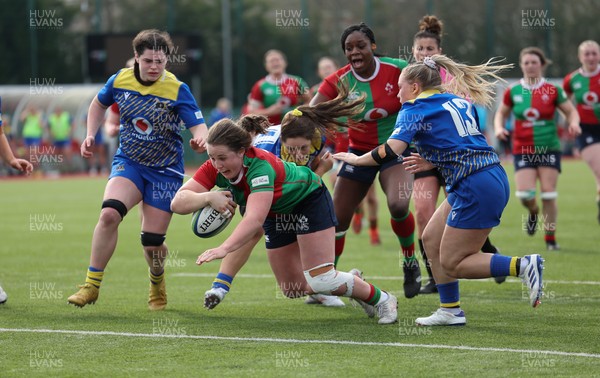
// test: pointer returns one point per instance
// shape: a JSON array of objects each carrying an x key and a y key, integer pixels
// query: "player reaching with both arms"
[
  {"x": 148, "y": 166},
  {"x": 291, "y": 204},
  {"x": 299, "y": 140},
  {"x": 446, "y": 134}
]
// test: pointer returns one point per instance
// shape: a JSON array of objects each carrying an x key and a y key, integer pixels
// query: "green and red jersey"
[
  {"x": 534, "y": 108},
  {"x": 381, "y": 104},
  {"x": 287, "y": 90},
  {"x": 263, "y": 171},
  {"x": 585, "y": 88}
]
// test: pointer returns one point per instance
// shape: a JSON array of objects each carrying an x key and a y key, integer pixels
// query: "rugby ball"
[{"x": 207, "y": 222}]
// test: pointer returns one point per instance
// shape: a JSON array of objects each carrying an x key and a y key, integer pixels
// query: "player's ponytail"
[
  {"x": 324, "y": 117},
  {"x": 472, "y": 81},
  {"x": 254, "y": 124}
]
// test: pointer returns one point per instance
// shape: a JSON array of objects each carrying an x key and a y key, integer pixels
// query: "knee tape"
[
  {"x": 150, "y": 239},
  {"x": 117, "y": 205},
  {"x": 549, "y": 195},
  {"x": 330, "y": 281},
  {"x": 525, "y": 194}
]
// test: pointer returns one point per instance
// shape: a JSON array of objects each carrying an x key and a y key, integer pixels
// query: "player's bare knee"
[
  {"x": 449, "y": 266},
  {"x": 399, "y": 209},
  {"x": 330, "y": 282},
  {"x": 430, "y": 244}
]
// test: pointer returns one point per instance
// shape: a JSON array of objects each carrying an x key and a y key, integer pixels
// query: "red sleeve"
[
  {"x": 506, "y": 99},
  {"x": 328, "y": 87},
  {"x": 567, "y": 84},
  {"x": 206, "y": 175},
  {"x": 256, "y": 94}
]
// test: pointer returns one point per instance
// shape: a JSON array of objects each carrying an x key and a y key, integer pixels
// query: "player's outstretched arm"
[{"x": 257, "y": 208}]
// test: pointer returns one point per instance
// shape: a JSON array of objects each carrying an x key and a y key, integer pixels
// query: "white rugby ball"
[{"x": 207, "y": 222}]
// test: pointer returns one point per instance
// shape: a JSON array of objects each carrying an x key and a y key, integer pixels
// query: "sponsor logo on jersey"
[
  {"x": 518, "y": 98},
  {"x": 126, "y": 95},
  {"x": 531, "y": 114},
  {"x": 545, "y": 98},
  {"x": 590, "y": 98},
  {"x": 142, "y": 125},
  {"x": 262, "y": 180},
  {"x": 375, "y": 114},
  {"x": 198, "y": 114}
]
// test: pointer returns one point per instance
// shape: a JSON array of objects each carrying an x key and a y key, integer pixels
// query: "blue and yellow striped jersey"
[
  {"x": 152, "y": 117},
  {"x": 445, "y": 129}
]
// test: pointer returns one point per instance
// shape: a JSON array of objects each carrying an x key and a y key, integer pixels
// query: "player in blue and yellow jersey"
[
  {"x": 446, "y": 133},
  {"x": 299, "y": 140},
  {"x": 148, "y": 165},
  {"x": 292, "y": 205}
]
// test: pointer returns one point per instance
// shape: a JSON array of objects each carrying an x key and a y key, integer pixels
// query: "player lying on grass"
[
  {"x": 299, "y": 139},
  {"x": 294, "y": 208},
  {"x": 446, "y": 133}
]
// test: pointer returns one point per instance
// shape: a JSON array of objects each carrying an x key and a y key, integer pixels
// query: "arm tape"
[{"x": 383, "y": 154}]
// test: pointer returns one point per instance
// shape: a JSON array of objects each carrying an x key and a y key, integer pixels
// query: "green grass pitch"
[{"x": 44, "y": 252}]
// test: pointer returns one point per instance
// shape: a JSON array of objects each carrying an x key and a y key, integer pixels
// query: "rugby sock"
[
  {"x": 222, "y": 281},
  {"x": 156, "y": 278},
  {"x": 340, "y": 240},
  {"x": 404, "y": 228},
  {"x": 502, "y": 266},
  {"x": 374, "y": 232},
  {"x": 373, "y": 224},
  {"x": 488, "y": 247},
  {"x": 376, "y": 296},
  {"x": 449, "y": 297},
  {"x": 94, "y": 276},
  {"x": 549, "y": 237}
]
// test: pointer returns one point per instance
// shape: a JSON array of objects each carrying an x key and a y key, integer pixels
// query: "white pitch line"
[
  {"x": 383, "y": 278},
  {"x": 300, "y": 341}
]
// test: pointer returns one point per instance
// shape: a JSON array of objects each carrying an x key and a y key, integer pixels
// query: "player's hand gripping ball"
[{"x": 208, "y": 221}]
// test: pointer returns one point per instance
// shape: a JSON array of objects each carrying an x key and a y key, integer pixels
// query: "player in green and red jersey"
[
  {"x": 536, "y": 147},
  {"x": 376, "y": 78},
  {"x": 275, "y": 94},
  {"x": 290, "y": 203},
  {"x": 583, "y": 86}
]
